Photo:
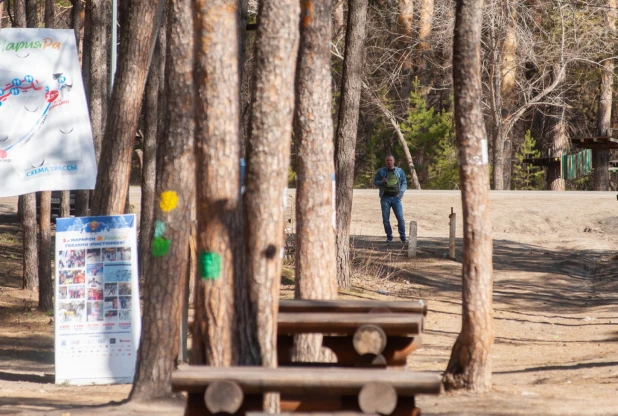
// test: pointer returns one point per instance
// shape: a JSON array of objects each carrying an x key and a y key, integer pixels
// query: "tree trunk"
[
  {"x": 46, "y": 287},
  {"x": 338, "y": 18},
  {"x": 136, "y": 45},
  {"x": 149, "y": 165},
  {"x": 164, "y": 290},
  {"x": 29, "y": 228},
  {"x": 508, "y": 91},
  {"x": 405, "y": 10},
  {"x": 219, "y": 297},
  {"x": 558, "y": 142},
  {"x": 347, "y": 127},
  {"x": 316, "y": 271},
  {"x": 32, "y": 17},
  {"x": 268, "y": 153},
  {"x": 600, "y": 157},
  {"x": 19, "y": 13},
  {"x": 1, "y": 13},
  {"x": 50, "y": 14},
  {"x": 423, "y": 47},
  {"x": 77, "y": 24},
  {"x": 470, "y": 363}
]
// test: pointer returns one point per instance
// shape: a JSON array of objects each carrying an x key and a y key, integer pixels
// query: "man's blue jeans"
[{"x": 394, "y": 202}]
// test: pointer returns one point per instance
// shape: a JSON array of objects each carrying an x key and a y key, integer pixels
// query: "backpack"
[{"x": 392, "y": 184}]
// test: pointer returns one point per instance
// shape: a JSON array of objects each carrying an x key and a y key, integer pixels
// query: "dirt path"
[{"x": 555, "y": 297}]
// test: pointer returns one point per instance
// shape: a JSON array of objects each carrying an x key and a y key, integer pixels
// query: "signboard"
[
  {"x": 45, "y": 135},
  {"x": 97, "y": 310}
]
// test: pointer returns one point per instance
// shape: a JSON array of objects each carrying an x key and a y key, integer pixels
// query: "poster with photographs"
[{"x": 97, "y": 300}]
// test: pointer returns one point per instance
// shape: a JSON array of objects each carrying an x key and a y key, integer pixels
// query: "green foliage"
[
  {"x": 430, "y": 136},
  {"x": 525, "y": 176}
]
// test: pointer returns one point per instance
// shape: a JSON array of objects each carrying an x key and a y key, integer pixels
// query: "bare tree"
[
  {"x": 136, "y": 45},
  {"x": 220, "y": 293},
  {"x": 347, "y": 127},
  {"x": 164, "y": 290},
  {"x": 600, "y": 157},
  {"x": 316, "y": 272},
  {"x": 470, "y": 363}
]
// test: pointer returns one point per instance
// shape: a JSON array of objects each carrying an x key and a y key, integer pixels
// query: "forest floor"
[{"x": 555, "y": 307}]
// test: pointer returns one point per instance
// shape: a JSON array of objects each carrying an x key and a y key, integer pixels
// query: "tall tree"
[
  {"x": 46, "y": 289},
  {"x": 347, "y": 128},
  {"x": 175, "y": 187},
  {"x": 1, "y": 12},
  {"x": 470, "y": 364},
  {"x": 220, "y": 293},
  {"x": 268, "y": 161},
  {"x": 316, "y": 271},
  {"x": 29, "y": 226},
  {"x": 136, "y": 45},
  {"x": 600, "y": 157},
  {"x": 152, "y": 111},
  {"x": 82, "y": 197}
]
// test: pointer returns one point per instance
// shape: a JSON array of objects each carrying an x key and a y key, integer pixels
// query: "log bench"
[
  {"x": 360, "y": 333},
  {"x": 238, "y": 390}
]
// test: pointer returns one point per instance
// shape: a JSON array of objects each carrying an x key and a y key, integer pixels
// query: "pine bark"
[
  {"x": 600, "y": 157},
  {"x": 149, "y": 165},
  {"x": 29, "y": 228},
  {"x": 347, "y": 127},
  {"x": 164, "y": 290},
  {"x": 46, "y": 288},
  {"x": 268, "y": 161},
  {"x": 316, "y": 272},
  {"x": 221, "y": 300},
  {"x": 470, "y": 364},
  {"x": 136, "y": 45}
]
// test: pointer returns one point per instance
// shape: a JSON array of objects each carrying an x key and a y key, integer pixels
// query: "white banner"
[
  {"x": 97, "y": 300},
  {"x": 45, "y": 134}
]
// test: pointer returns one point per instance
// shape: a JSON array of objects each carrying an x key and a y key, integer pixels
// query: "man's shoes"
[
  {"x": 389, "y": 240},
  {"x": 404, "y": 240}
]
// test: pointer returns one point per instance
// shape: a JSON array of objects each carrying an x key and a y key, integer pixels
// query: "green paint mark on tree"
[
  {"x": 160, "y": 246},
  {"x": 210, "y": 266}
]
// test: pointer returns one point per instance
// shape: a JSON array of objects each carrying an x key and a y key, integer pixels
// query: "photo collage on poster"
[{"x": 94, "y": 285}]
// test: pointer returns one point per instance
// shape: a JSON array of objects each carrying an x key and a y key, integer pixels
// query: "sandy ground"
[{"x": 555, "y": 290}]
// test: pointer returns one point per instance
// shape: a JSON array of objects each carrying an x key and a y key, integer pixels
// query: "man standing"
[{"x": 392, "y": 183}]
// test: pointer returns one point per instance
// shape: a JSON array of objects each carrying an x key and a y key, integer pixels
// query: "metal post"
[
  {"x": 451, "y": 237},
  {"x": 412, "y": 239},
  {"x": 112, "y": 71}
]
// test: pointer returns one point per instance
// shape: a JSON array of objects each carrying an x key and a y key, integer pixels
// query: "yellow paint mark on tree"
[{"x": 169, "y": 201}]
